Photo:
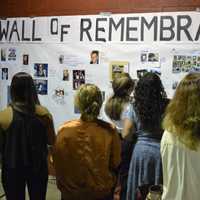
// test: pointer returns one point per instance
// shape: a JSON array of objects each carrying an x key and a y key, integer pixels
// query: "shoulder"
[
  {"x": 6, "y": 117},
  {"x": 69, "y": 125},
  {"x": 108, "y": 126},
  {"x": 42, "y": 111}
]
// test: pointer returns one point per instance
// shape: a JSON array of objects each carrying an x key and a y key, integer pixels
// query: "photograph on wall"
[
  {"x": 8, "y": 95},
  {"x": 94, "y": 57},
  {"x": 186, "y": 63},
  {"x": 12, "y": 54},
  {"x": 65, "y": 75},
  {"x": 3, "y": 54},
  {"x": 78, "y": 78},
  {"x": 40, "y": 70},
  {"x": 150, "y": 59},
  {"x": 25, "y": 59},
  {"x": 59, "y": 96},
  {"x": 118, "y": 67},
  {"x": 41, "y": 86},
  {"x": 4, "y": 73}
]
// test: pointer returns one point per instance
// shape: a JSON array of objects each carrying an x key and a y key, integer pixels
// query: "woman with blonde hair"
[
  {"x": 87, "y": 151},
  {"x": 119, "y": 109},
  {"x": 180, "y": 145}
]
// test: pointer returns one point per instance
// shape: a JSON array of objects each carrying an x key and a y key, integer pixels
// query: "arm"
[{"x": 128, "y": 129}]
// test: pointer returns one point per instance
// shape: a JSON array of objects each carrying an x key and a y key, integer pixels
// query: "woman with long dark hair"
[
  {"x": 150, "y": 103},
  {"x": 26, "y": 130}
]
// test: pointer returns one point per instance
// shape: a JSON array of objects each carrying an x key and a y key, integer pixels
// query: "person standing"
[
  {"x": 26, "y": 130},
  {"x": 180, "y": 145},
  {"x": 87, "y": 151}
]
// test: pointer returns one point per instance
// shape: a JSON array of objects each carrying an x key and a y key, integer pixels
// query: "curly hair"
[
  {"x": 150, "y": 102},
  {"x": 122, "y": 86},
  {"x": 183, "y": 113}
]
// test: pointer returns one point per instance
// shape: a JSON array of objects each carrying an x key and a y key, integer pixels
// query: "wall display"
[{"x": 64, "y": 52}]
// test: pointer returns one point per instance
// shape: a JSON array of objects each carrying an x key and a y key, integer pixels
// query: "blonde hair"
[
  {"x": 183, "y": 113},
  {"x": 122, "y": 86},
  {"x": 89, "y": 101}
]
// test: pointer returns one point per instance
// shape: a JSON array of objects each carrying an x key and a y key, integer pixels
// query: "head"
[
  {"x": 94, "y": 57},
  {"x": 23, "y": 90},
  {"x": 150, "y": 101},
  {"x": 182, "y": 116},
  {"x": 89, "y": 101},
  {"x": 123, "y": 86}
]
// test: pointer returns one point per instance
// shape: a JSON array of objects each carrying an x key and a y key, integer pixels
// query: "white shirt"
[{"x": 181, "y": 170}]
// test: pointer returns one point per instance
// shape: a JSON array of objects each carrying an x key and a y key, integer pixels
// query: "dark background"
[{"x": 13, "y": 8}]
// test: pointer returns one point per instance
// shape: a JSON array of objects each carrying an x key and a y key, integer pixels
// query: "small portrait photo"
[
  {"x": 141, "y": 73},
  {"x": 40, "y": 70},
  {"x": 61, "y": 59},
  {"x": 65, "y": 75},
  {"x": 143, "y": 57},
  {"x": 94, "y": 57},
  {"x": 8, "y": 95},
  {"x": 4, "y": 73},
  {"x": 25, "y": 59},
  {"x": 153, "y": 57},
  {"x": 3, "y": 54},
  {"x": 41, "y": 86},
  {"x": 78, "y": 78},
  {"x": 59, "y": 93},
  {"x": 12, "y": 54}
]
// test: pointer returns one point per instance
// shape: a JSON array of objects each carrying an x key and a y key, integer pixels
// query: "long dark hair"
[
  {"x": 122, "y": 87},
  {"x": 23, "y": 91},
  {"x": 150, "y": 102}
]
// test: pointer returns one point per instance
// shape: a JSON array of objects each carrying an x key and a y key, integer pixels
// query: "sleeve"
[
  {"x": 129, "y": 113},
  {"x": 115, "y": 152}
]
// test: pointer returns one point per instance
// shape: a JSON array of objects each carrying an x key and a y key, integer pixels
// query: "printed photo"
[
  {"x": 4, "y": 73},
  {"x": 3, "y": 54},
  {"x": 41, "y": 86},
  {"x": 8, "y": 95},
  {"x": 12, "y": 54},
  {"x": 153, "y": 57},
  {"x": 94, "y": 57},
  {"x": 65, "y": 75},
  {"x": 40, "y": 70},
  {"x": 143, "y": 57},
  {"x": 25, "y": 59},
  {"x": 117, "y": 68},
  {"x": 78, "y": 78},
  {"x": 61, "y": 59}
]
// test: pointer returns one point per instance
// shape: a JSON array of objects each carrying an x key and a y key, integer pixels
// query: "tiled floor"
[{"x": 52, "y": 191}]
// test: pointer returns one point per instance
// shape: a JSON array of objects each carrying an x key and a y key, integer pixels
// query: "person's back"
[
  {"x": 181, "y": 182},
  {"x": 87, "y": 151},
  {"x": 86, "y": 159}
]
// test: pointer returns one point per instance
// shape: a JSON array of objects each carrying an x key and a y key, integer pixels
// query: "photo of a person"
[
  {"x": 41, "y": 86},
  {"x": 3, "y": 54},
  {"x": 153, "y": 57},
  {"x": 25, "y": 59},
  {"x": 143, "y": 57},
  {"x": 94, "y": 57},
  {"x": 41, "y": 70},
  {"x": 78, "y": 78},
  {"x": 4, "y": 74},
  {"x": 65, "y": 75}
]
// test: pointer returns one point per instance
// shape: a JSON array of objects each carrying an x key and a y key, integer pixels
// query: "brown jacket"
[{"x": 86, "y": 156}]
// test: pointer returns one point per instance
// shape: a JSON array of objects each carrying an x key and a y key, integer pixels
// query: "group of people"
[{"x": 116, "y": 150}]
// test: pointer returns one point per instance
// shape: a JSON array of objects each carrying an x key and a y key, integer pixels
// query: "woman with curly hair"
[
  {"x": 150, "y": 102},
  {"x": 180, "y": 145}
]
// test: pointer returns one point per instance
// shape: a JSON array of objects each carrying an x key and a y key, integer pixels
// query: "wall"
[{"x": 13, "y": 8}]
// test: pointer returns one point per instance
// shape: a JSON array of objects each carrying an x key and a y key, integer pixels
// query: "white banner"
[{"x": 61, "y": 53}]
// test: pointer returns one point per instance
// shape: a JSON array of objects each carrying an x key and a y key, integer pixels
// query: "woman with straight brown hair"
[{"x": 180, "y": 145}]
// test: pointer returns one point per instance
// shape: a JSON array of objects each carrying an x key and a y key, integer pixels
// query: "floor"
[{"x": 52, "y": 191}]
